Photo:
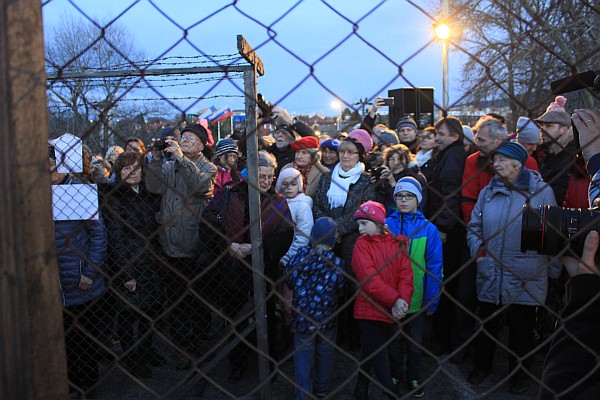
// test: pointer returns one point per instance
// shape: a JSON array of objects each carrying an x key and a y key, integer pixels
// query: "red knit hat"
[
  {"x": 307, "y": 142},
  {"x": 371, "y": 210}
]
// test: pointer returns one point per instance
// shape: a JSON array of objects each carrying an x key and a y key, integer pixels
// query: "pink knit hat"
[
  {"x": 371, "y": 210},
  {"x": 363, "y": 138}
]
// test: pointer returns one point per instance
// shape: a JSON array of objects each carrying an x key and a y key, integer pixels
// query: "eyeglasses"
[
  {"x": 348, "y": 153},
  {"x": 266, "y": 177},
  {"x": 189, "y": 138},
  {"x": 408, "y": 196}
]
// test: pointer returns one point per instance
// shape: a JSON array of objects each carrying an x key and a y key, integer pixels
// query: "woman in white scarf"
[{"x": 339, "y": 194}]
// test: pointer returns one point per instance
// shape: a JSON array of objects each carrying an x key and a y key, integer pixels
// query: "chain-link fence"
[{"x": 205, "y": 254}]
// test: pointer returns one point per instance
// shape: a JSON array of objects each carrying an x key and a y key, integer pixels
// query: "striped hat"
[
  {"x": 410, "y": 185},
  {"x": 225, "y": 146}
]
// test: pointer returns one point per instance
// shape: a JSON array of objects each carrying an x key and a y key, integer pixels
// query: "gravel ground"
[{"x": 446, "y": 381}]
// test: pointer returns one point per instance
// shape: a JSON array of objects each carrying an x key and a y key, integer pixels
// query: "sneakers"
[{"x": 416, "y": 388}]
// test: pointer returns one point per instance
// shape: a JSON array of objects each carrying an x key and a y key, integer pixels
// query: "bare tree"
[
  {"x": 79, "y": 46},
  {"x": 515, "y": 48}
]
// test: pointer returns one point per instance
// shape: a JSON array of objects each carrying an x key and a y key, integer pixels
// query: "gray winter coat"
[
  {"x": 504, "y": 274},
  {"x": 186, "y": 188}
]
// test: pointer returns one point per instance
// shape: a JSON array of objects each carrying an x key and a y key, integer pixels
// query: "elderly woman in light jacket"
[{"x": 507, "y": 279}]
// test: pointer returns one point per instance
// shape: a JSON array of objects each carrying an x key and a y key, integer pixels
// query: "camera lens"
[{"x": 531, "y": 229}]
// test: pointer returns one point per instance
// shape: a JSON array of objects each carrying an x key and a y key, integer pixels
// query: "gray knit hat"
[{"x": 528, "y": 131}]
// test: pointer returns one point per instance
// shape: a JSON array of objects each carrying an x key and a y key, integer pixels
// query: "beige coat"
[
  {"x": 314, "y": 176},
  {"x": 186, "y": 188}
]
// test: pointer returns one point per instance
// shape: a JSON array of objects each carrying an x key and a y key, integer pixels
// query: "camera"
[
  {"x": 159, "y": 145},
  {"x": 265, "y": 107},
  {"x": 587, "y": 79},
  {"x": 376, "y": 173},
  {"x": 388, "y": 101},
  {"x": 549, "y": 229}
]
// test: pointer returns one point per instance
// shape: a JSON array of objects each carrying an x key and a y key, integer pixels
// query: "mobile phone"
[{"x": 388, "y": 101}]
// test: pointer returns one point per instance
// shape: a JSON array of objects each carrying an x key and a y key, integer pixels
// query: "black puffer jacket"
[{"x": 443, "y": 198}]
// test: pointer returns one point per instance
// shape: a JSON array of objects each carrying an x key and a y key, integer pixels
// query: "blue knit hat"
[
  {"x": 410, "y": 185},
  {"x": 330, "y": 144},
  {"x": 323, "y": 232},
  {"x": 513, "y": 150},
  {"x": 528, "y": 131}
]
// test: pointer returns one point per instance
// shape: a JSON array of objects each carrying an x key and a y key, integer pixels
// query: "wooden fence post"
[{"x": 32, "y": 358}]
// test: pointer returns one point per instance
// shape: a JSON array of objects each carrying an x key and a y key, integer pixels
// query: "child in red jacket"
[{"x": 382, "y": 267}]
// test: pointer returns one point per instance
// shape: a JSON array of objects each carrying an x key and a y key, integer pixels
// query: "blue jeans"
[
  {"x": 320, "y": 347},
  {"x": 412, "y": 327}
]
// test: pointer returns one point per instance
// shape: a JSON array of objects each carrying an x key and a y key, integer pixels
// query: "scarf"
[
  {"x": 423, "y": 157},
  {"x": 340, "y": 183},
  {"x": 304, "y": 171}
]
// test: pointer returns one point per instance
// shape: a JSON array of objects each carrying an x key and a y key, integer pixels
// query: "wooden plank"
[
  {"x": 250, "y": 55},
  {"x": 32, "y": 358},
  {"x": 258, "y": 267}
]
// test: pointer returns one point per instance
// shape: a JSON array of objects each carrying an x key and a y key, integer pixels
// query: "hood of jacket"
[{"x": 302, "y": 198}]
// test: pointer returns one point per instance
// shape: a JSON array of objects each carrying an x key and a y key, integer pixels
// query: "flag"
[
  {"x": 223, "y": 113},
  {"x": 206, "y": 112}
]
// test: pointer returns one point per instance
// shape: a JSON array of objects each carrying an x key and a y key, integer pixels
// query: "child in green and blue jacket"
[{"x": 425, "y": 251}]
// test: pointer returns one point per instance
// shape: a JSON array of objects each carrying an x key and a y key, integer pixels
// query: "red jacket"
[
  {"x": 382, "y": 266},
  {"x": 475, "y": 178}
]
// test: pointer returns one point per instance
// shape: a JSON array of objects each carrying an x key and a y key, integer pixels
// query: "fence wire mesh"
[{"x": 161, "y": 279}]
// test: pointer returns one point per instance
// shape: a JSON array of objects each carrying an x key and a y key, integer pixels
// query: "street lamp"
[
  {"x": 442, "y": 31},
  {"x": 338, "y": 106}
]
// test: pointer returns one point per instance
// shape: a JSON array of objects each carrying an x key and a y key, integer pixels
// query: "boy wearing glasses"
[{"x": 425, "y": 251}]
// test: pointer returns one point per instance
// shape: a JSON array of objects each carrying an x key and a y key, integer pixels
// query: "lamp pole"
[
  {"x": 442, "y": 31},
  {"x": 445, "y": 77},
  {"x": 338, "y": 105}
]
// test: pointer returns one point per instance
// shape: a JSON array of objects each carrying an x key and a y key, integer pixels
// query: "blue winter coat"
[
  {"x": 426, "y": 257},
  {"x": 80, "y": 248},
  {"x": 504, "y": 274}
]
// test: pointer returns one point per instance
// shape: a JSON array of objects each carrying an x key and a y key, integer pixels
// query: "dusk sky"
[{"x": 395, "y": 32}]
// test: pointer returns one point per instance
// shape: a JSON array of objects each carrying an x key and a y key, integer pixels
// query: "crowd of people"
[{"x": 397, "y": 241}]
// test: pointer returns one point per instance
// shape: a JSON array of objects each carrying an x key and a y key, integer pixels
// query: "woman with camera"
[
  {"x": 508, "y": 281},
  {"x": 398, "y": 163}
]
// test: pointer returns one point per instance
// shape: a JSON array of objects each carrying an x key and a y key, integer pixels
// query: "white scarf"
[
  {"x": 340, "y": 183},
  {"x": 422, "y": 157}
]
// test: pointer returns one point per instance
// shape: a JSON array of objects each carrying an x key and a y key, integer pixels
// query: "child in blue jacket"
[
  {"x": 425, "y": 251},
  {"x": 315, "y": 276}
]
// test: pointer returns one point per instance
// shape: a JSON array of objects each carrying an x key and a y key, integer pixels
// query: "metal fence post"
[{"x": 32, "y": 361}]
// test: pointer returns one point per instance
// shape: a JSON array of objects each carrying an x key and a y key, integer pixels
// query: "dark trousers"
[
  {"x": 373, "y": 355},
  {"x": 410, "y": 338},
  {"x": 454, "y": 321},
  {"x": 138, "y": 346},
  {"x": 81, "y": 325},
  {"x": 233, "y": 288},
  {"x": 189, "y": 317},
  {"x": 521, "y": 322},
  {"x": 465, "y": 308}
]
